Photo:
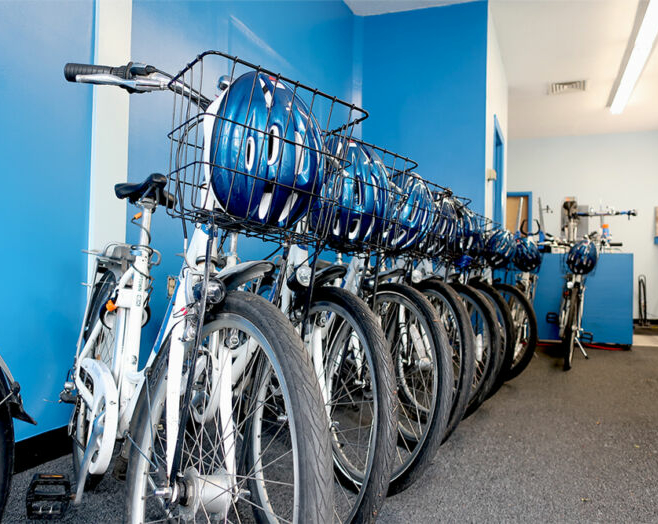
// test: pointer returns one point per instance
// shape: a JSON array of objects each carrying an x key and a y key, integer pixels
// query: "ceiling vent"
[{"x": 558, "y": 88}]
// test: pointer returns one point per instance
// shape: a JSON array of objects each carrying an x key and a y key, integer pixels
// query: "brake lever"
[{"x": 155, "y": 82}]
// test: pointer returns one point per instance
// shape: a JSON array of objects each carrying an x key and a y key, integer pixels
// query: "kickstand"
[{"x": 582, "y": 349}]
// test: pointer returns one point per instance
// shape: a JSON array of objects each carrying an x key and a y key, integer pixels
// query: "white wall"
[
  {"x": 618, "y": 170},
  {"x": 496, "y": 104},
  {"x": 109, "y": 128}
]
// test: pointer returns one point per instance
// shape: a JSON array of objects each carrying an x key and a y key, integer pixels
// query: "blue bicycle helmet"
[
  {"x": 355, "y": 198},
  {"x": 410, "y": 212},
  {"x": 444, "y": 225},
  {"x": 471, "y": 241},
  {"x": 500, "y": 248},
  {"x": 262, "y": 151},
  {"x": 582, "y": 257},
  {"x": 527, "y": 256},
  {"x": 462, "y": 236}
]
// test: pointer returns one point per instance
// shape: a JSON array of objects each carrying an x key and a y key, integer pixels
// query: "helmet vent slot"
[
  {"x": 299, "y": 153},
  {"x": 265, "y": 202},
  {"x": 250, "y": 153},
  {"x": 290, "y": 202},
  {"x": 273, "y": 145}
]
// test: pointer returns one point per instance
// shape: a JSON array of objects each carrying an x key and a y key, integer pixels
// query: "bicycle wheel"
[
  {"x": 6, "y": 452},
  {"x": 569, "y": 335},
  {"x": 103, "y": 350},
  {"x": 358, "y": 385},
  {"x": 504, "y": 319},
  {"x": 458, "y": 327},
  {"x": 255, "y": 446},
  {"x": 525, "y": 328},
  {"x": 422, "y": 360},
  {"x": 487, "y": 343}
]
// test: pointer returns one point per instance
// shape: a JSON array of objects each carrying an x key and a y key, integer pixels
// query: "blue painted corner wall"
[
  {"x": 420, "y": 74},
  {"x": 424, "y": 84},
  {"x": 301, "y": 51}
]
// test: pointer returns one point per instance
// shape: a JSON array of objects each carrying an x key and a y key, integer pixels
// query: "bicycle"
[
  {"x": 581, "y": 260},
  {"x": 451, "y": 246},
  {"x": 227, "y": 417},
  {"x": 353, "y": 364},
  {"x": 520, "y": 297},
  {"x": 421, "y": 273},
  {"x": 419, "y": 346}
]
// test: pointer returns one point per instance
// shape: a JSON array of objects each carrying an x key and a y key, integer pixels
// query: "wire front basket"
[
  {"x": 364, "y": 200},
  {"x": 464, "y": 248},
  {"x": 248, "y": 148}
]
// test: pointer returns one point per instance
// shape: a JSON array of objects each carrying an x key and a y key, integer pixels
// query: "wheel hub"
[{"x": 210, "y": 492}]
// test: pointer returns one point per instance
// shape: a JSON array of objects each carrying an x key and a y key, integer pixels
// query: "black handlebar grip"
[
  {"x": 616, "y": 244},
  {"x": 73, "y": 70}
]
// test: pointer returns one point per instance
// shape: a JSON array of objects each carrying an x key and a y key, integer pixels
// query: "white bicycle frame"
[
  {"x": 115, "y": 391},
  {"x": 298, "y": 256}
]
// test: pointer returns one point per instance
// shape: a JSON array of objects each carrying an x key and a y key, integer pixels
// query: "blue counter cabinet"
[{"x": 608, "y": 311}]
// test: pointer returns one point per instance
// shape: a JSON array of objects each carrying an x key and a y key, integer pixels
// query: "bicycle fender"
[
  {"x": 234, "y": 277},
  {"x": 328, "y": 274},
  {"x": 175, "y": 380},
  {"x": 10, "y": 389}
]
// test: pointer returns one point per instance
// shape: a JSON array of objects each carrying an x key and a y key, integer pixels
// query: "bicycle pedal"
[
  {"x": 587, "y": 337},
  {"x": 552, "y": 318},
  {"x": 48, "y": 497}
]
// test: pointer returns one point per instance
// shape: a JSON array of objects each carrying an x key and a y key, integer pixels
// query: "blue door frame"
[
  {"x": 499, "y": 166},
  {"x": 530, "y": 226}
]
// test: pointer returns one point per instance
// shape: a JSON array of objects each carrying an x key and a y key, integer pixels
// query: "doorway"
[{"x": 499, "y": 166}]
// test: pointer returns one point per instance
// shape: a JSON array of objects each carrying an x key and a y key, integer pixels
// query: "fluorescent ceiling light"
[{"x": 639, "y": 55}]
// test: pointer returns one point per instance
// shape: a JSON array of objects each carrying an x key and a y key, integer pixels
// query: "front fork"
[{"x": 185, "y": 336}]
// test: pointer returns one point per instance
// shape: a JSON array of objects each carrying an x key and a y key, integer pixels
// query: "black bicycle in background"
[
  {"x": 11, "y": 407},
  {"x": 581, "y": 259}
]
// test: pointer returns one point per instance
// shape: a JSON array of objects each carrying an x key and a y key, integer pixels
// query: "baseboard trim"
[{"x": 41, "y": 448}]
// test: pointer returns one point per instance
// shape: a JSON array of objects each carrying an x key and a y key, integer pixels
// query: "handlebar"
[
  {"x": 134, "y": 77},
  {"x": 127, "y": 72},
  {"x": 527, "y": 233},
  {"x": 630, "y": 213}
]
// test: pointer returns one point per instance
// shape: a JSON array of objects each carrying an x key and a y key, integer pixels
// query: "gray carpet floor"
[{"x": 551, "y": 446}]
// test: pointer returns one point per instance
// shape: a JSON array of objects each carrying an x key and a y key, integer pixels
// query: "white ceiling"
[
  {"x": 378, "y": 7},
  {"x": 544, "y": 41}
]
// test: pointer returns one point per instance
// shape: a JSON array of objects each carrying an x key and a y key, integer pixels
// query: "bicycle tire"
[
  {"x": 504, "y": 317},
  {"x": 407, "y": 470},
  {"x": 101, "y": 294},
  {"x": 444, "y": 296},
  {"x": 489, "y": 338},
  {"x": 522, "y": 357},
  {"x": 7, "y": 445},
  {"x": 296, "y": 384},
  {"x": 372, "y": 486}
]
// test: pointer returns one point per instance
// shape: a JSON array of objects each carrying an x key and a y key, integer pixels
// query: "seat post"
[{"x": 148, "y": 206}]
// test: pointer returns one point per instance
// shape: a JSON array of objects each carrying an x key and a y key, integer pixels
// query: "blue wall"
[
  {"x": 45, "y": 150},
  {"x": 428, "y": 102},
  {"x": 424, "y": 84}
]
